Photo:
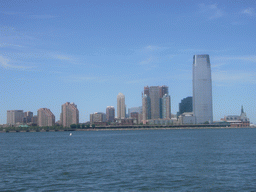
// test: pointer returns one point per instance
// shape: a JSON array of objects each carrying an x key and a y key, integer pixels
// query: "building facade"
[
  {"x": 166, "y": 107},
  {"x": 134, "y": 109},
  {"x": 110, "y": 113},
  {"x": 187, "y": 118},
  {"x": 186, "y": 105},
  {"x": 69, "y": 114},
  {"x": 14, "y": 116},
  {"x": 156, "y": 103},
  {"x": 45, "y": 117},
  {"x": 28, "y": 117},
  {"x": 236, "y": 120},
  {"x": 202, "y": 89},
  {"x": 97, "y": 117},
  {"x": 121, "y": 108},
  {"x": 146, "y": 110}
]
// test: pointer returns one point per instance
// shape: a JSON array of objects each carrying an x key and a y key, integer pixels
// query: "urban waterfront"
[{"x": 149, "y": 160}]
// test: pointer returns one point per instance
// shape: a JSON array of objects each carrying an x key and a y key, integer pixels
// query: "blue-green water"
[{"x": 145, "y": 160}]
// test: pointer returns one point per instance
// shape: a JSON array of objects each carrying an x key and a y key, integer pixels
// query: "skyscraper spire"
[{"x": 242, "y": 109}]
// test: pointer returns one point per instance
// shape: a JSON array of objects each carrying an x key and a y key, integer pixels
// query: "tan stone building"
[
  {"x": 14, "y": 116},
  {"x": 69, "y": 114},
  {"x": 45, "y": 117},
  {"x": 121, "y": 108}
]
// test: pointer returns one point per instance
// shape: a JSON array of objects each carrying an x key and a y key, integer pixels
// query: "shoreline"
[{"x": 127, "y": 129}]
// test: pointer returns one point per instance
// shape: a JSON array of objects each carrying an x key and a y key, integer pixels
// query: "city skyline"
[{"x": 88, "y": 52}]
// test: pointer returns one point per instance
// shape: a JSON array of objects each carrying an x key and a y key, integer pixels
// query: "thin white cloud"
[
  {"x": 62, "y": 57},
  {"x": 42, "y": 16},
  {"x": 81, "y": 78},
  {"x": 27, "y": 15},
  {"x": 146, "y": 61},
  {"x": 249, "y": 11},
  {"x": 4, "y": 63},
  {"x": 139, "y": 81},
  {"x": 226, "y": 78},
  {"x": 12, "y": 13},
  {"x": 211, "y": 11},
  {"x": 152, "y": 48},
  {"x": 9, "y": 45},
  {"x": 251, "y": 58}
]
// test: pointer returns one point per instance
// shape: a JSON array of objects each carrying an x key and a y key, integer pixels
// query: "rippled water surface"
[{"x": 139, "y": 160}]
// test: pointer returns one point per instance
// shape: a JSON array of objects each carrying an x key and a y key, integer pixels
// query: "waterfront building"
[
  {"x": 110, "y": 113},
  {"x": 14, "y": 116},
  {"x": 166, "y": 107},
  {"x": 34, "y": 119},
  {"x": 97, "y": 117},
  {"x": 186, "y": 105},
  {"x": 163, "y": 90},
  {"x": 202, "y": 89},
  {"x": 146, "y": 110},
  {"x": 160, "y": 122},
  {"x": 69, "y": 114},
  {"x": 237, "y": 120},
  {"x": 134, "y": 109},
  {"x": 121, "y": 108},
  {"x": 134, "y": 115},
  {"x": 45, "y": 117},
  {"x": 187, "y": 118},
  {"x": 146, "y": 90},
  {"x": 156, "y": 103},
  {"x": 28, "y": 117}
]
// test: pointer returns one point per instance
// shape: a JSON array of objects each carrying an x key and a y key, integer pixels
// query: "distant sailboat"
[{"x": 70, "y": 134}]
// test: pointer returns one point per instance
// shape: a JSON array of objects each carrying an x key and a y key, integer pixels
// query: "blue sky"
[{"x": 87, "y": 52}]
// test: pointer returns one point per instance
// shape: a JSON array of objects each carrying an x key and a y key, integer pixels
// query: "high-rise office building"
[
  {"x": 121, "y": 108},
  {"x": 134, "y": 109},
  {"x": 202, "y": 89},
  {"x": 97, "y": 117},
  {"x": 110, "y": 113},
  {"x": 28, "y": 117},
  {"x": 156, "y": 103},
  {"x": 146, "y": 110},
  {"x": 166, "y": 107},
  {"x": 146, "y": 90},
  {"x": 69, "y": 114},
  {"x": 14, "y": 116},
  {"x": 186, "y": 105},
  {"x": 163, "y": 90},
  {"x": 45, "y": 117}
]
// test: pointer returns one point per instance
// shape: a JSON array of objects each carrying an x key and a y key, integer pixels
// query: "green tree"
[
  {"x": 83, "y": 126},
  {"x": 93, "y": 126},
  {"x": 78, "y": 126},
  {"x": 73, "y": 126},
  {"x": 88, "y": 126}
]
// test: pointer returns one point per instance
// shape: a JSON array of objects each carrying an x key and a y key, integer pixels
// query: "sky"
[{"x": 87, "y": 51}]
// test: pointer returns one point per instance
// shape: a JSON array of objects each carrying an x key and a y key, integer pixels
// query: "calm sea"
[{"x": 139, "y": 160}]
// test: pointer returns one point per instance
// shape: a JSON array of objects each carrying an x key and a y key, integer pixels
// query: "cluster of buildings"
[
  {"x": 155, "y": 109},
  {"x": 69, "y": 115}
]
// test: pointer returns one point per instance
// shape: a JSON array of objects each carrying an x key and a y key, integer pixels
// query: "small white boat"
[{"x": 70, "y": 134}]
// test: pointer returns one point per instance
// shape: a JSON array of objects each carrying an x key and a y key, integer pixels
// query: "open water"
[{"x": 139, "y": 160}]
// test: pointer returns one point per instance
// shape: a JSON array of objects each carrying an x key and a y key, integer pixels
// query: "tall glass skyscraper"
[{"x": 202, "y": 89}]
